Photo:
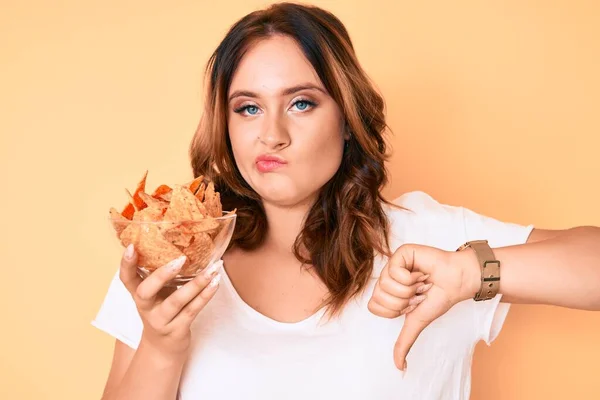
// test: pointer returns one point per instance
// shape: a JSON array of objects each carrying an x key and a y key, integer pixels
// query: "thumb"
[{"x": 408, "y": 335}]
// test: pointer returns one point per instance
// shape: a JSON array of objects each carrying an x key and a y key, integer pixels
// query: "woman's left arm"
[{"x": 559, "y": 268}]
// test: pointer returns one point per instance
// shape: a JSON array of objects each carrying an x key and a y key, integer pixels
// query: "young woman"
[{"x": 328, "y": 291}]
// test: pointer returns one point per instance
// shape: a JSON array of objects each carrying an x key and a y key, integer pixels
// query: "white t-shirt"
[{"x": 238, "y": 353}]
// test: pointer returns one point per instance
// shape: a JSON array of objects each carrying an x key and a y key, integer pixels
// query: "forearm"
[
  {"x": 562, "y": 271},
  {"x": 151, "y": 376}
]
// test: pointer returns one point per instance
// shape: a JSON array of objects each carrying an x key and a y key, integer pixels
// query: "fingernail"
[
  {"x": 212, "y": 269},
  {"x": 423, "y": 278},
  {"x": 408, "y": 309},
  {"x": 176, "y": 264},
  {"x": 424, "y": 288},
  {"x": 215, "y": 281},
  {"x": 129, "y": 251},
  {"x": 416, "y": 300},
  {"x": 404, "y": 366}
]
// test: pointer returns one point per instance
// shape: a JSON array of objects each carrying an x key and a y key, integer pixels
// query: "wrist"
[
  {"x": 467, "y": 263},
  {"x": 161, "y": 358}
]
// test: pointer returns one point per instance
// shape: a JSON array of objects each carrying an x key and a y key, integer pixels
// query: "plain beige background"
[{"x": 494, "y": 106}]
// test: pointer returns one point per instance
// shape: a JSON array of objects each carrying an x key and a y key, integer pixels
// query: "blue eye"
[
  {"x": 248, "y": 110},
  {"x": 303, "y": 105},
  {"x": 252, "y": 110}
]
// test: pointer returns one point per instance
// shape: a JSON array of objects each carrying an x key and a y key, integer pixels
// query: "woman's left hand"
[{"x": 424, "y": 283}]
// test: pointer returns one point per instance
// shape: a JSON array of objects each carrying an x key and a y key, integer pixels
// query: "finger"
[
  {"x": 147, "y": 290},
  {"x": 402, "y": 275},
  {"x": 128, "y": 270},
  {"x": 408, "y": 335},
  {"x": 397, "y": 289},
  {"x": 187, "y": 315},
  {"x": 174, "y": 304},
  {"x": 389, "y": 301},
  {"x": 381, "y": 311},
  {"x": 413, "y": 303},
  {"x": 423, "y": 288}
]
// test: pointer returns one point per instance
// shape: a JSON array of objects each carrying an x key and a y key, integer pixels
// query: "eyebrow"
[{"x": 284, "y": 92}]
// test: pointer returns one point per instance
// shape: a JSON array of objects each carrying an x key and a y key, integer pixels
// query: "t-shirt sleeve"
[
  {"x": 489, "y": 316},
  {"x": 118, "y": 315},
  {"x": 447, "y": 227}
]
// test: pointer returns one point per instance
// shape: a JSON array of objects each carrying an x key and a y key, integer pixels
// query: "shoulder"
[
  {"x": 421, "y": 204},
  {"x": 417, "y": 217}
]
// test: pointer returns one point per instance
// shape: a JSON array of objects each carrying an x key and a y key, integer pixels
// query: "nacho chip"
[
  {"x": 152, "y": 202},
  {"x": 184, "y": 206},
  {"x": 166, "y": 196},
  {"x": 222, "y": 227},
  {"x": 136, "y": 201},
  {"x": 198, "y": 253},
  {"x": 132, "y": 201},
  {"x": 212, "y": 201},
  {"x": 161, "y": 191},
  {"x": 172, "y": 222},
  {"x": 130, "y": 235},
  {"x": 200, "y": 193},
  {"x": 119, "y": 222},
  {"x": 178, "y": 236},
  {"x": 148, "y": 214},
  {"x": 195, "y": 184},
  {"x": 153, "y": 250},
  {"x": 128, "y": 211}
]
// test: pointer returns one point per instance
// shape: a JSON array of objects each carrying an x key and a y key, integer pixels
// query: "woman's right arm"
[
  {"x": 153, "y": 371},
  {"x": 142, "y": 374}
]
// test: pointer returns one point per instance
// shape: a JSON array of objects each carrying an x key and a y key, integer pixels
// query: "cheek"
[
  {"x": 241, "y": 139},
  {"x": 322, "y": 159}
]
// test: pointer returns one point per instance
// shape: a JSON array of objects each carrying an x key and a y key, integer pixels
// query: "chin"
[{"x": 282, "y": 195}]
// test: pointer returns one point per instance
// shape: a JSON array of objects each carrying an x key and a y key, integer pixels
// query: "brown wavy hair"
[{"x": 347, "y": 222}]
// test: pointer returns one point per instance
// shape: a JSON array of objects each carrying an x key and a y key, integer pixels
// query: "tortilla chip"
[
  {"x": 130, "y": 235},
  {"x": 178, "y": 236},
  {"x": 148, "y": 214},
  {"x": 172, "y": 222},
  {"x": 152, "y": 202},
  {"x": 195, "y": 184},
  {"x": 153, "y": 250},
  {"x": 136, "y": 199},
  {"x": 223, "y": 227},
  {"x": 183, "y": 206},
  {"x": 128, "y": 211},
  {"x": 166, "y": 196},
  {"x": 212, "y": 201},
  {"x": 119, "y": 222},
  {"x": 198, "y": 253},
  {"x": 161, "y": 191},
  {"x": 206, "y": 225}
]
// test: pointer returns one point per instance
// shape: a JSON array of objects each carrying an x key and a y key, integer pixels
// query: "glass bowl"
[{"x": 156, "y": 243}]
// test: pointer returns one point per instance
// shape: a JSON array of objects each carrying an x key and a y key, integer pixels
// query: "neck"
[{"x": 285, "y": 224}]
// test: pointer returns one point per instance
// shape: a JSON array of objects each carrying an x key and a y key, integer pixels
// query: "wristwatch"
[{"x": 490, "y": 269}]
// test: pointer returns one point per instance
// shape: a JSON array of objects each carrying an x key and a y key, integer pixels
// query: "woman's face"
[{"x": 285, "y": 130}]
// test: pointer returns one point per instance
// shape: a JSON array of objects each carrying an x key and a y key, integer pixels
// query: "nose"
[{"x": 275, "y": 134}]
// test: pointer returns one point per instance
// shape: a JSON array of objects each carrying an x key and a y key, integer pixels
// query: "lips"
[{"x": 268, "y": 163}]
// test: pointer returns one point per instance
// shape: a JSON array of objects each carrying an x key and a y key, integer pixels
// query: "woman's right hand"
[{"x": 168, "y": 314}]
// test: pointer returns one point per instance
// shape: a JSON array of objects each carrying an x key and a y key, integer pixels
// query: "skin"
[
  {"x": 286, "y": 112},
  {"x": 278, "y": 106},
  {"x": 553, "y": 267}
]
